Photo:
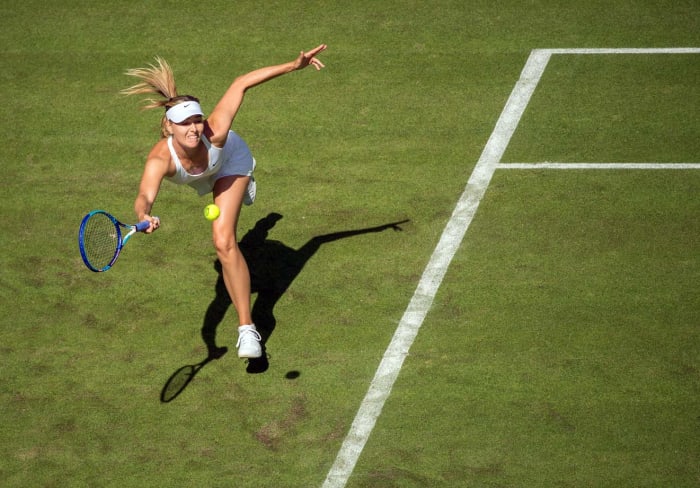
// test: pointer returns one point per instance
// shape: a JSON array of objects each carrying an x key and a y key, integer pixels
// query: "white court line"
[
  {"x": 422, "y": 300},
  {"x": 625, "y": 50},
  {"x": 598, "y": 166}
]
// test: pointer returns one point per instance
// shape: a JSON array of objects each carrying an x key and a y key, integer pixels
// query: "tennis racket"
[{"x": 102, "y": 238}]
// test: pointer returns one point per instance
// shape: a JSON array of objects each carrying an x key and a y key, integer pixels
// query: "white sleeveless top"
[{"x": 232, "y": 159}]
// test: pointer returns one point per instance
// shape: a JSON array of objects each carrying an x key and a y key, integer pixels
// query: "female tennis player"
[{"x": 210, "y": 157}]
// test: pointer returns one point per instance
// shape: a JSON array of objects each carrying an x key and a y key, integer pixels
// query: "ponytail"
[{"x": 157, "y": 79}]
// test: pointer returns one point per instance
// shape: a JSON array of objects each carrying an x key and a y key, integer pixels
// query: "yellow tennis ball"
[{"x": 211, "y": 212}]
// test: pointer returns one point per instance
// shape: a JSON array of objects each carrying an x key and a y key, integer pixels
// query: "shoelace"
[{"x": 242, "y": 336}]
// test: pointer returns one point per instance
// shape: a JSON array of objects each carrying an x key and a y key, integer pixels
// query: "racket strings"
[{"x": 101, "y": 240}]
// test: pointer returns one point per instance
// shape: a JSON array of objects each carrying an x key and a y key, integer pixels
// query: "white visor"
[{"x": 183, "y": 111}]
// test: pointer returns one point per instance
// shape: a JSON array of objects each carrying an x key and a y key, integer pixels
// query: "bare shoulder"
[
  {"x": 159, "y": 159},
  {"x": 160, "y": 150}
]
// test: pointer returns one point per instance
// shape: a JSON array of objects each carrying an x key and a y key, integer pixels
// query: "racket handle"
[{"x": 143, "y": 225}]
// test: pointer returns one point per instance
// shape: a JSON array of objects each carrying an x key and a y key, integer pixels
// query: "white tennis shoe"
[
  {"x": 248, "y": 342},
  {"x": 249, "y": 196}
]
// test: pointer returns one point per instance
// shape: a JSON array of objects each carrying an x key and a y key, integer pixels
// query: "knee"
[{"x": 225, "y": 245}]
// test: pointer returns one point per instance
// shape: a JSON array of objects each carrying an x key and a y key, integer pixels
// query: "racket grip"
[{"x": 143, "y": 225}]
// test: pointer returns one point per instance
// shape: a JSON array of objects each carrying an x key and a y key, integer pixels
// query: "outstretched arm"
[
  {"x": 223, "y": 114},
  {"x": 153, "y": 174}
]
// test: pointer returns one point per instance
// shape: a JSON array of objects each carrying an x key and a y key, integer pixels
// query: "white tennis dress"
[{"x": 232, "y": 159}]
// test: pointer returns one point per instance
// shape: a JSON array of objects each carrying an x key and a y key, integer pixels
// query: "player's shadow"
[{"x": 273, "y": 267}]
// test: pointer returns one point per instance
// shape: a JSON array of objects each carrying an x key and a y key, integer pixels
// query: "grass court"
[{"x": 538, "y": 235}]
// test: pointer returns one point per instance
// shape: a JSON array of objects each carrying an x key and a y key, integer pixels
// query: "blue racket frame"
[{"x": 121, "y": 241}]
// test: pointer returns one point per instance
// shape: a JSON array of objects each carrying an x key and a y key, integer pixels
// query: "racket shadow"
[
  {"x": 181, "y": 378},
  {"x": 273, "y": 267}
]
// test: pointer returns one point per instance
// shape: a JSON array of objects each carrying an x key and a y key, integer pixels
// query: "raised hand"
[{"x": 309, "y": 58}]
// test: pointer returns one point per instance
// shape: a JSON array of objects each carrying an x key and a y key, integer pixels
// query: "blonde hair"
[{"x": 157, "y": 79}]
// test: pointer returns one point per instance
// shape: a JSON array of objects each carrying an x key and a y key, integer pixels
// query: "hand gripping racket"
[{"x": 101, "y": 239}]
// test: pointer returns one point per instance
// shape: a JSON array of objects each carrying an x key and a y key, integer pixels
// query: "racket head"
[{"x": 100, "y": 240}]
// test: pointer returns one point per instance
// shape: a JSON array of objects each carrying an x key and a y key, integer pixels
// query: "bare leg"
[{"x": 228, "y": 196}]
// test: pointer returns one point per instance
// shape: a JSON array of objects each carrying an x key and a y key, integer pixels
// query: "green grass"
[
  {"x": 562, "y": 348},
  {"x": 575, "y": 381},
  {"x": 613, "y": 108}
]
